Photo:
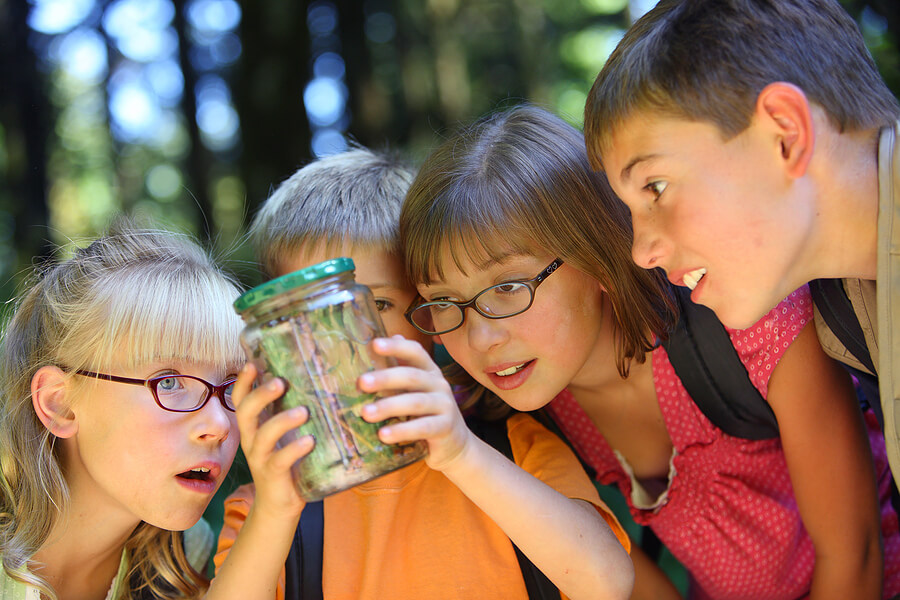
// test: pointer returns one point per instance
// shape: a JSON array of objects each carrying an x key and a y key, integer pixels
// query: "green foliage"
[{"x": 414, "y": 70}]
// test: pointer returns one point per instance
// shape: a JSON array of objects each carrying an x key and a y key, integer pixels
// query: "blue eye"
[{"x": 169, "y": 384}]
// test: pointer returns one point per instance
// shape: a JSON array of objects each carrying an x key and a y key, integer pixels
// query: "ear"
[
  {"x": 784, "y": 107},
  {"x": 49, "y": 396}
]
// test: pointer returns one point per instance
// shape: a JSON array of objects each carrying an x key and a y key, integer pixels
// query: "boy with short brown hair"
[{"x": 755, "y": 143}]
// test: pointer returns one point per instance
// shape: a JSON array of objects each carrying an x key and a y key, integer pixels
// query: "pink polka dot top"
[{"x": 729, "y": 514}]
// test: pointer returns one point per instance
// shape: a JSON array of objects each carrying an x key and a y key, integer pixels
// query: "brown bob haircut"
[{"x": 519, "y": 181}]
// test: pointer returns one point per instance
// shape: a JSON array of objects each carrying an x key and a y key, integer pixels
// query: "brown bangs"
[{"x": 471, "y": 223}]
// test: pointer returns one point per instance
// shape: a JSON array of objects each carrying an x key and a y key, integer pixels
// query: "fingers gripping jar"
[{"x": 313, "y": 328}]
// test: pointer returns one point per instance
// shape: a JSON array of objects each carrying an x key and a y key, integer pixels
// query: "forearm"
[
  {"x": 255, "y": 562},
  {"x": 650, "y": 582},
  {"x": 855, "y": 572},
  {"x": 566, "y": 539},
  {"x": 844, "y": 520}
]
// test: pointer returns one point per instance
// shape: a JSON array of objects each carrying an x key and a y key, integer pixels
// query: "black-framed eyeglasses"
[
  {"x": 177, "y": 393},
  {"x": 499, "y": 301}
]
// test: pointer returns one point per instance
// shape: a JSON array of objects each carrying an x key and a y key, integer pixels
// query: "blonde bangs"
[{"x": 194, "y": 321}]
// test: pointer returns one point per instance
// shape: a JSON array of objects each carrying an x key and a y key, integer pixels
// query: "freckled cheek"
[
  {"x": 157, "y": 440},
  {"x": 152, "y": 458},
  {"x": 545, "y": 331},
  {"x": 455, "y": 345},
  {"x": 585, "y": 312},
  {"x": 561, "y": 332},
  {"x": 757, "y": 242}
]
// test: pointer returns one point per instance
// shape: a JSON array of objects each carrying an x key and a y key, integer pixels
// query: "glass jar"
[{"x": 313, "y": 328}]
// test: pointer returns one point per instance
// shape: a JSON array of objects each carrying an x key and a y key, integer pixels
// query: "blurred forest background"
[{"x": 190, "y": 111}]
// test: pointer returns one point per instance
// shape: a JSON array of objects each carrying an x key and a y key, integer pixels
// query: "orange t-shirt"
[{"x": 412, "y": 534}]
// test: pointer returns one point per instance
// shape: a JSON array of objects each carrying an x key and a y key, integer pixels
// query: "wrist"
[
  {"x": 276, "y": 513},
  {"x": 462, "y": 461}
]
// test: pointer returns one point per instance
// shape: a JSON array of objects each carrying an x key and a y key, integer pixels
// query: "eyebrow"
[
  {"x": 482, "y": 266},
  {"x": 500, "y": 259},
  {"x": 383, "y": 285},
  {"x": 626, "y": 172}
]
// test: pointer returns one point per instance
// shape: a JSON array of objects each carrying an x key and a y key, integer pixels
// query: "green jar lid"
[{"x": 292, "y": 281}]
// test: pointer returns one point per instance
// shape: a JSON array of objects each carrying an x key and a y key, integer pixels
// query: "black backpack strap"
[
  {"x": 708, "y": 365},
  {"x": 835, "y": 307},
  {"x": 494, "y": 433},
  {"x": 303, "y": 568}
]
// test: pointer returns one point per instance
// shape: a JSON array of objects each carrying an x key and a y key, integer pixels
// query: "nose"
[
  {"x": 214, "y": 422},
  {"x": 647, "y": 248},
  {"x": 484, "y": 334}
]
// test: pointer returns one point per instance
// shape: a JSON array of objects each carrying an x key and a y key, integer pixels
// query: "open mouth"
[
  {"x": 693, "y": 278},
  {"x": 197, "y": 473},
  {"x": 513, "y": 369}
]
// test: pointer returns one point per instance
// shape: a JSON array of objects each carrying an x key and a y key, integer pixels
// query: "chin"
[
  {"x": 179, "y": 521},
  {"x": 520, "y": 401},
  {"x": 740, "y": 316}
]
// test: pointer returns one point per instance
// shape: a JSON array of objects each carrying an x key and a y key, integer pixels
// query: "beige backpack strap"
[{"x": 888, "y": 286}]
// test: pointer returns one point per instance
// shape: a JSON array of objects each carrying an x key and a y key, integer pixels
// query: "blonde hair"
[
  {"x": 517, "y": 181},
  {"x": 131, "y": 297},
  {"x": 353, "y": 197}
]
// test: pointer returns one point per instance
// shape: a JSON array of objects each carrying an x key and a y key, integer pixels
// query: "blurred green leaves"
[{"x": 414, "y": 70}]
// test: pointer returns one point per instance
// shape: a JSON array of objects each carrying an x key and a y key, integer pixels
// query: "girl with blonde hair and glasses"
[{"x": 116, "y": 420}]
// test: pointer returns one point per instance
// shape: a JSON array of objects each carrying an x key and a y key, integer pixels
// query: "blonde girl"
[{"x": 116, "y": 422}]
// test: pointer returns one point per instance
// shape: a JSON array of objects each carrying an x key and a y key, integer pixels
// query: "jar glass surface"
[{"x": 317, "y": 337}]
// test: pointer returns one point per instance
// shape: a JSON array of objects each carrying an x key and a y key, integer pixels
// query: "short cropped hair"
[
  {"x": 708, "y": 60},
  {"x": 353, "y": 197}
]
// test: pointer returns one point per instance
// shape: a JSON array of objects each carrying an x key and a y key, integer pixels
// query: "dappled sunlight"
[{"x": 192, "y": 117}]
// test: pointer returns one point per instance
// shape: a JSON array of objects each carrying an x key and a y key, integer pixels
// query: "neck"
[
  {"x": 81, "y": 556},
  {"x": 612, "y": 389},
  {"x": 846, "y": 173},
  {"x": 598, "y": 381},
  {"x": 599, "y": 369}
]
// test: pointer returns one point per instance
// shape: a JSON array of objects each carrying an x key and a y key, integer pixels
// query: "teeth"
[
  {"x": 693, "y": 278},
  {"x": 511, "y": 370},
  {"x": 200, "y": 470}
]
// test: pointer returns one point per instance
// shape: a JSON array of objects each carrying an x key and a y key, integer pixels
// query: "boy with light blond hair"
[{"x": 459, "y": 523}]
